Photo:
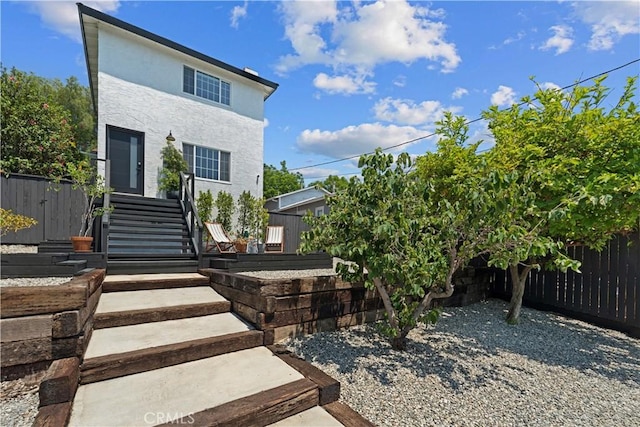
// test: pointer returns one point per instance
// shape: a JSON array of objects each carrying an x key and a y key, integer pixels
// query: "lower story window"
[{"x": 208, "y": 163}]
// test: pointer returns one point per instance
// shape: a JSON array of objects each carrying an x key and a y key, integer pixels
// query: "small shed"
[{"x": 300, "y": 201}]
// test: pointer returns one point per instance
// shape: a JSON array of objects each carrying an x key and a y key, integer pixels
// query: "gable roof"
[{"x": 89, "y": 21}]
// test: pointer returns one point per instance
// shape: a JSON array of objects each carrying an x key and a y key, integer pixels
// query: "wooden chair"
[
  {"x": 274, "y": 241},
  {"x": 220, "y": 237}
]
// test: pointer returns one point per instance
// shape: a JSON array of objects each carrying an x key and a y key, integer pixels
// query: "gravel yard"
[
  {"x": 19, "y": 401},
  {"x": 472, "y": 369}
]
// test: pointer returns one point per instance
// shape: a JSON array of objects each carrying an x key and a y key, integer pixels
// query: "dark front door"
[{"x": 125, "y": 149}]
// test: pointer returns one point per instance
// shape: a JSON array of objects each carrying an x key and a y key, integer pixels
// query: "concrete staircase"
[{"x": 166, "y": 350}]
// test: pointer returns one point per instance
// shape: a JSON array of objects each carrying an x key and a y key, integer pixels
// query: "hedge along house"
[{"x": 145, "y": 86}]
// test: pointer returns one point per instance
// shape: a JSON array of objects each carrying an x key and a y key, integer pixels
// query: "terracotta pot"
[
  {"x": 240, "y": 247},
  {"x": 81, "y": 243}
]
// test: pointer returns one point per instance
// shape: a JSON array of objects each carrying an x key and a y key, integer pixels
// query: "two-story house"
[{"x": 145, "y": 87}]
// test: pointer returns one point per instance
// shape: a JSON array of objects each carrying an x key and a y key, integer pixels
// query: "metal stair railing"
[{"x": 190, "y": 212}]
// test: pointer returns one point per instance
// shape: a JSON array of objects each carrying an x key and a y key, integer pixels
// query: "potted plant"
[
  {"x": 172, "y": 165},
  {"x": 92, "y": 187},
  {"x": 240, "y": 243}
]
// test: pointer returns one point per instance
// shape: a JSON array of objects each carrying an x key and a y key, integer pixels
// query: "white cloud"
[
  {"x": 317, "y": 173},
  {"x": 400, "y": 81},
  {"x": 355, "y": 140},
  {"x": 517, "y": 38},
  {"x": 503, "y": 97},
  {"x": 345, "y": 84},
  {"x": 459, "y": 92},
  {"x": 62, "y": 16},
  {"x": 407, "y": 112},
  {"x": 609, "y": 21},
  {"x": 265, "y": 122},
  {"x": 549, "y": 85},
  {"x": 561, "y": 41},
  {"x": 364, "y": 35},
  {"x": 238, "y": 12}
]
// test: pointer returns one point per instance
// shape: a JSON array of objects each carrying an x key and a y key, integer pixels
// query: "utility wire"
[{"x": 466, "y": 123}]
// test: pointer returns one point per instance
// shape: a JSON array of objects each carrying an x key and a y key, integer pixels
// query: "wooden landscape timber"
[
  {"x": 41, "y": 324},
  {"x": 287, "y": 307}
]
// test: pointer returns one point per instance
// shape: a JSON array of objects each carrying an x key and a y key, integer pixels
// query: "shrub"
[{"x": 10, "y": 221}]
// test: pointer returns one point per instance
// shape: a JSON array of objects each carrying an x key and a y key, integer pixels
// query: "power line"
[{"x": 466, "y": 123}]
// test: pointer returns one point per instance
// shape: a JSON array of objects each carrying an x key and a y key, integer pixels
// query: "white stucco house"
[{"x": 145, "y": 86}]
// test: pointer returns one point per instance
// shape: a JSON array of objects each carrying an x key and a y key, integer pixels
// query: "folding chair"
[
  {"x": 274, "y": 241},
  {"x": 220, "y": 237}
]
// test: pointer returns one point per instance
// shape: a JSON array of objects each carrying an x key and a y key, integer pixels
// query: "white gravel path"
[{"x": 472, "y": 369}]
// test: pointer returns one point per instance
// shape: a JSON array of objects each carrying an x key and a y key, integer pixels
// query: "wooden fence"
[
  {"x": 58, "y": 211},
  {"x": 293, "y": 228},
  {"x": 606, "y": 292}
]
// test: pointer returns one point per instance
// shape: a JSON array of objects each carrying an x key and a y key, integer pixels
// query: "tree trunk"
[
  {"x": 518, "y": 279},
  {"x": 399, "y": 343}
]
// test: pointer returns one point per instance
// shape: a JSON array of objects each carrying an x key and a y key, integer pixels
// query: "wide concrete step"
[
  {"x": 125, "y": 350},
  {"x": 247, "y": 387},
  {"x": 140, "y": 282},
  {"x": 157, "y": 305}
]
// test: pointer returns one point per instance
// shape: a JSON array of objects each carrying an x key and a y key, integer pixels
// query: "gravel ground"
[
  {"x": 18, "y": 249},
  {"x": 19, "y": 401},
  {"x": 472, "y": 369}
]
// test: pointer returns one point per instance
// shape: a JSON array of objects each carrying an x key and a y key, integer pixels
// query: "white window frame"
[
  {"x": 216, "y": 158},
  {"x": 319, "y": 211},
  {"x": 220, "y": 91}
]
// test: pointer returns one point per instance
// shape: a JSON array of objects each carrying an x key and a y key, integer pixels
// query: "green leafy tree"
[
  {"x": 410, "y": 232},
  {"x": 76, "y": 99},
  {"x": 172, "y": 165},
  {"x": 245, "y": 213},
  {"x": 332, "y": 183},
  {"x": 204, "y": 205},
  {"x": 582, "y": 163},
  {"x": 91, "y": 186},
  {"x": 225, "y": 206},
  {"x": 281, "y": 181},
  {"x": 37, "y": 133}
]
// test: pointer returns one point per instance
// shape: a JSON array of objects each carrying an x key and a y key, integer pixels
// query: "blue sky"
[{"x": 357, "y": 75}]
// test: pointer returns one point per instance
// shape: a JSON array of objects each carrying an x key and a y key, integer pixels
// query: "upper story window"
[
  {"x": 206, "y": 86},
  {"x": 207, "y": 163}
]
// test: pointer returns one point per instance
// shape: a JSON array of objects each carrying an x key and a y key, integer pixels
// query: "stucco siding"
[
  {"x": 143, "y": 62},
  {"x": 155, "y": 113},
  {"x": 140, "y": 89}
]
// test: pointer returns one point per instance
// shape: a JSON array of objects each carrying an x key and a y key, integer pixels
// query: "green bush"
[
  {"x": 204, "y": 204},
  {"x": 224, "y": 205}
]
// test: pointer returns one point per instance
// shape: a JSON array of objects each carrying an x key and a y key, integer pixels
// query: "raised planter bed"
[
  {"x": 44, "y": 323},
  {"x": 287, "y": 307}
]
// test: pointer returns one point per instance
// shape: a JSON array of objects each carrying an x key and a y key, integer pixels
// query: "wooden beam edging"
[
  {"x": 263, "y": 408},
  {"x": 328, "y": 387},
  {"x": 30, "y": 300},
  {"x": 346, "y": 415},
  {"x": 56, "y": 393}
]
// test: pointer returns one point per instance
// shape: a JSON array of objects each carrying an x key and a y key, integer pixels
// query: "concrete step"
[
  {"x": 139, "y": 282},
  {"x": 237, "y": 388},
  {"x": 314, "y": 417},
  {"x": 157, "y": 305},
  {"x": 125, "y": 350}
]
